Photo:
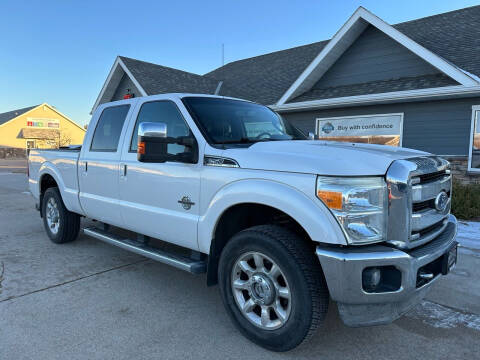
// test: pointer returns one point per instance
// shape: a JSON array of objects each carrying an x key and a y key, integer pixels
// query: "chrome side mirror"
[
  {"x": 151, "y": 129},
  {"x": 153, "y": 145},
  {"x": 311, "y": 136}
]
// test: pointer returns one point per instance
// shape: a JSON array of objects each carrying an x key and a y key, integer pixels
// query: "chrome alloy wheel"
[
  {"x": 261, "y": 291},
  {"x": 53, "y": 215}
]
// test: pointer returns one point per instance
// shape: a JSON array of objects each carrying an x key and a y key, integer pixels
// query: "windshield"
[{"x": 225, "y": 121}]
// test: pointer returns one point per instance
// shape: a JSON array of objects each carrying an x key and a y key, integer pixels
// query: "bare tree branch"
[{"x": 64, "y": 139}]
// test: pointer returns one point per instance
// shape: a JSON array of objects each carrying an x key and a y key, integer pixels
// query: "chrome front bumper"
[{"x": 343, "y": 270}]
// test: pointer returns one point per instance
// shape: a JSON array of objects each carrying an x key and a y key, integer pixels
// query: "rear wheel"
[
  {"x": 61, "y": 225},
  {"x": 272, "y": 286}
]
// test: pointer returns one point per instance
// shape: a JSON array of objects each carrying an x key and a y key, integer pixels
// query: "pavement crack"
[
  {"x": 444, "y": 317},
  {"x": 452, "y": 308},
  {"x": 69, "y": 281}
]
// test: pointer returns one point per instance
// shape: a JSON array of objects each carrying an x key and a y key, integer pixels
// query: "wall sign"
[
  {"x": 43, "y": 123},
  {"x": 377, "y": 129}
]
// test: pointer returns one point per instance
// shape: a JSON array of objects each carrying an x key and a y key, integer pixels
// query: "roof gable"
[
  {"x": 10, "y": 115},
  {"x": 158, "y": 79},
  {"x": 455, "y": 36},
  {"x": 348, "y": 34},
  {"x": 374, "y": 56},
  {"x": 448, "y": 42},
  {"x": 373, "y": 64},
  {"x": 151, "y": 79},
  {"x": 125, "y": 86},
  {"x": 115, "y": 76},
  {"x": 65, "y": 117}
]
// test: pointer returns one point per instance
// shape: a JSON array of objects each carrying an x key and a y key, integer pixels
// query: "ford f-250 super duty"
[{"x": 282, "y": 223}]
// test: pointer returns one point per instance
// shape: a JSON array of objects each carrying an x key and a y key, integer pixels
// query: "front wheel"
[
  {"x": 61, "y": 225},
  {"x": 272, "y": 286}
]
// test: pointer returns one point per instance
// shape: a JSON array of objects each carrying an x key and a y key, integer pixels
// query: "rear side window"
[{"x": 109, "y": 127}]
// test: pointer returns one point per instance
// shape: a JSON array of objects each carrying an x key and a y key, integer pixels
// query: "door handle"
[
  {"x": 86, "y": 166},
  {"x": 123, "y": 169}
]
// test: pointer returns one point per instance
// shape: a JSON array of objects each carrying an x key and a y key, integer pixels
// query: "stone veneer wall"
[
  {"x": 459, "y": 166},
  {"x": 12, "y": 153}
]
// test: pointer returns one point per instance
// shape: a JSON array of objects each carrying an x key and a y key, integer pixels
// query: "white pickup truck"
[{"x": 281, "y": 222}]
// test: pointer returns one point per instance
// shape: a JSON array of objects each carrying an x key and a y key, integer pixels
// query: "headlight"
[{"x": 359, "y": 204}]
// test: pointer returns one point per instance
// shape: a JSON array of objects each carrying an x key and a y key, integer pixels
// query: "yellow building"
[{"x": 40, "y": 126}]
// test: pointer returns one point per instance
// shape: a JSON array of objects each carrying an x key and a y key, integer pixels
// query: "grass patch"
[{"x": 466, "y": 201}]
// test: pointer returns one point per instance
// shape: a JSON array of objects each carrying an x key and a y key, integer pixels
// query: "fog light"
[{"x": 371, "y": 278}]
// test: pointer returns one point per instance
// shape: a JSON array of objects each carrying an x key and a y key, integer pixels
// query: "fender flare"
[
  {"x": 49, "y": 168},
  {"x": 315, "y": 218}
]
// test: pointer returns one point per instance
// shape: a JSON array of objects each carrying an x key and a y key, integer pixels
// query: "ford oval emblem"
[{"x": 441, "y": 201}]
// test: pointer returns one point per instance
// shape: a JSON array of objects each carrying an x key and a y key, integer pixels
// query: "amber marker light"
[
  {"x": 332, "y": 199},
  {"x": 141, "y": 148}
]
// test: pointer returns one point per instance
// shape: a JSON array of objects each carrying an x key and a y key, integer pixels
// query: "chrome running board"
[{"x": 194, "y": 266}]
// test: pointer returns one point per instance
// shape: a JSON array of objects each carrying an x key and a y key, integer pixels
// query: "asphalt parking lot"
[{"x": 88, "y": 300}]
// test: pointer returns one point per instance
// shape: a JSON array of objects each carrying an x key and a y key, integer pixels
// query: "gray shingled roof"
[
  {"x": 455, "y": 36},
  {"x": 262, "y": 78},
  {"x": 376, "y": 87},
  {"x": 158, "y": 79},
  {"x": 9, "y": 115},
  {"x": 265, "y": 78}
]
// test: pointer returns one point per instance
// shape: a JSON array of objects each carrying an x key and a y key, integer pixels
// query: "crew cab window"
[
  {"x": 109, "y": 127},
  {"x": 164, "y": 112}
]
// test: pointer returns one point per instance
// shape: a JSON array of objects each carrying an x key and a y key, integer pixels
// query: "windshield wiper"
[
  {"x": 242, "y": 140},
  {"x": 245, "y": 140}
]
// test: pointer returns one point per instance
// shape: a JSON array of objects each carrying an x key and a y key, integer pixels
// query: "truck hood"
[{"x": 320, "y": 157}]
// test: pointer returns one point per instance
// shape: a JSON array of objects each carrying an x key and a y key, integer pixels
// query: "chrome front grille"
[{"x": 415, "y": 214}]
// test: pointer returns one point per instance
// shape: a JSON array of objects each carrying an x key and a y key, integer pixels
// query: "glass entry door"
[{"x": 474, "y": 159}]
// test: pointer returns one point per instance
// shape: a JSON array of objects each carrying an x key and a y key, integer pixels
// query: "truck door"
[
  {"x": 160, "y": 200},
  {"x": 98, "y": 168}
]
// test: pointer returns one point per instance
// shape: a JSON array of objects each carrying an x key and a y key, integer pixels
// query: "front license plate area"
[{"x": 449, "y": 260}]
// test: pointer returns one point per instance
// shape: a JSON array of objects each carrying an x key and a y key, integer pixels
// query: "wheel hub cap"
[
  {"x": 53, "y": 216},
  {"x": 261, "y": 291}
]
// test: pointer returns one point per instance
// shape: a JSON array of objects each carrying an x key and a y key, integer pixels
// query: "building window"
[
  {"x": 31, "y": 144},
  {"x": 385, "y": 129},
  {"x": 51, "y": 143},
  {"x": 474, "y": 150}
]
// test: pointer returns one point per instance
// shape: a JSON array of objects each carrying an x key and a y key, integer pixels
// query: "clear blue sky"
[{"x": 61, "y": 51}]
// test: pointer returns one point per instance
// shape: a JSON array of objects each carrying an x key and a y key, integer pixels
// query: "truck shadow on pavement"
[{"x": 90, "y": 300}]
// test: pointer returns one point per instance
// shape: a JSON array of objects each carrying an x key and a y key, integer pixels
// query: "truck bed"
[{"x": 62, "y": 166}]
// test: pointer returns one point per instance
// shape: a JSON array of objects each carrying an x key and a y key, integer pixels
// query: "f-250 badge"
[{"x": 186, "y": 203}]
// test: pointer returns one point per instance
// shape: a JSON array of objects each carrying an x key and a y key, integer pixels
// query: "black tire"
[
  {"x": 69, "y": 223},
  {"x": 309, "y": 293}
]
